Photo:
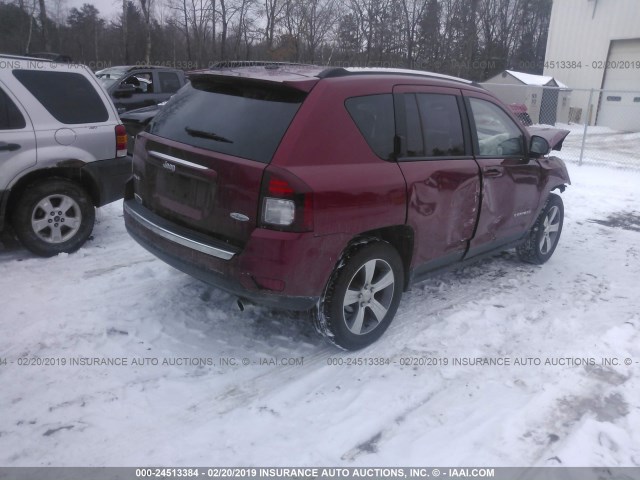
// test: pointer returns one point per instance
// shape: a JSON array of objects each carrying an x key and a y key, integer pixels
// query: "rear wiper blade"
[{"x": 209, "y": 135}]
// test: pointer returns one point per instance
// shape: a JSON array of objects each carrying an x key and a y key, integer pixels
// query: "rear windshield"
[{"x": 244, "y": 120}]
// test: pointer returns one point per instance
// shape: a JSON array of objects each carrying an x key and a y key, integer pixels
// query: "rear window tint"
[
  {"x": 69, "y": 97},
  {"x": 373, "y": 114},
  {"x": 244, "y": 120},
  {"x": 433, "y": 125},
  {"x": 10, "y": 116}
]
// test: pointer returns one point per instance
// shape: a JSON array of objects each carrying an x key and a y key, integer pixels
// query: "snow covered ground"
[
  {"x": 114, "y": 301},
  {"x": 602, "y": 146}
]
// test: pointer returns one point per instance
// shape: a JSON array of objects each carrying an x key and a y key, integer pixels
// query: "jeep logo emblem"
[
  {"x": 169, "y": 166},
  {"x": 239, "y": 216}
]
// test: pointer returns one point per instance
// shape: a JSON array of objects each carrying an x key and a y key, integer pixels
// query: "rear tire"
[
  {"x": 53, "y": 216},
  {"x": 544, "y": 234},
  {"x": 362, "y": 296}
]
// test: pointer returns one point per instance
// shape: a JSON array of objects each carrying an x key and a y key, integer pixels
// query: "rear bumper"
[
  {"x": 211, "y": 261},
  {"x": 110, "y": 177},
  {"x": 182, "y": 236}
]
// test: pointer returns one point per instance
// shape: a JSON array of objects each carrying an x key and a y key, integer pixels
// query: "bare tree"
[
  {"x": 125, "y": 43},
  {"x": 413, "y": 13},
  {"x": 226, "y": 14},
  {"x": 30, "y": 11},
  {"x": 430, "y": 36},
  {"x": 348, "y": 37},
  {"x": 370, "y": 16},
  {"x": 146, "y": 6},
  {"x": 273, "y": 10},
  {"x": 200, "y": 14},
  {"x": 291, "y": 39},
  {"x": 318, "y": 17},
  {"x": 213, "y": 27},
  {"x": 497, "y": 27},
  {"x": 470, "y": 38},
  {"x": 85, "y": 24},
  {"x": 242, "y": 8},
  {"x": 44, "y": 27}
]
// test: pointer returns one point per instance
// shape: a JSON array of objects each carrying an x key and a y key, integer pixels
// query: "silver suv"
[{"x": 63, "y": 151}]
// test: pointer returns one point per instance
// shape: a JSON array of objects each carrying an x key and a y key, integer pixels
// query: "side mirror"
[
  {"x": 124, "y": 90},
  {"x": 539, "y": 147}
]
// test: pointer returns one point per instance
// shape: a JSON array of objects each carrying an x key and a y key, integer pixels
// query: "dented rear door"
[{"x": 442, "y": 177}]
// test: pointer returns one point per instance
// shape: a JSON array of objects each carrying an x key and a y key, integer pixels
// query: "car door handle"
[
  {"x": 9, "y": 147},
  {"x": 492, "y": 172}
]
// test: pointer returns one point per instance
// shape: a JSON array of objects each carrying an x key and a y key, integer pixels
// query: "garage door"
[{"x": 620, "y": 110}]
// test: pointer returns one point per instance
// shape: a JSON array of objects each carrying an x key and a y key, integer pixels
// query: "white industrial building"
[{"x": 595, "y": 44}]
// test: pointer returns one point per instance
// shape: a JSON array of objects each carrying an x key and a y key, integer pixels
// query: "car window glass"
[
  {"x": 238, "y": 119},
  {"x": 10, "y": 116},
  {"x": 169, "y": 82},
  {"x": 109, "y": 76},
  {"x": 373, "y": 115},
  {"x": 415, "y": 139},
  {"x": 69, "y": 97},
  {"x": 441, "y": 127},
  {"x": 142, "y": 82},
  {"x": 498, "y": 135}
]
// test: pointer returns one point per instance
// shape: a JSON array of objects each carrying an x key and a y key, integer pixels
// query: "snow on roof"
[{"x": 530, "y": 79}]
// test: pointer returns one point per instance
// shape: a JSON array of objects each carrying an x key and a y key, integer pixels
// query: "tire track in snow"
[
  {"x": 462, "y": 287},
  {"x": 371, "y": 445}
]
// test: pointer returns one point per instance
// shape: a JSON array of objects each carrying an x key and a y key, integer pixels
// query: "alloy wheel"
[
  {"x": 368, "y": 296},
  {"x": 56, "y": 218},
  {"x": 551, "y": 226}
]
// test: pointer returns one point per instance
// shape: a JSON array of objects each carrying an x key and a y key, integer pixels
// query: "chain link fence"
[{"x": 604, "y": 124}]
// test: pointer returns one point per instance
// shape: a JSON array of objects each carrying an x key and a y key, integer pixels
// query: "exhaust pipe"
[{"x": 240, "y": 304}]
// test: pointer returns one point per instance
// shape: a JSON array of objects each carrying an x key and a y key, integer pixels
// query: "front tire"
[
  {"x": 543, "y": 237},
  {"x": 54, "y": 216},
  {"x": 362, "y": 296}
]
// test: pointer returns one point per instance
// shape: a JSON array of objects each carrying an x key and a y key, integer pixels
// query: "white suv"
[{"x": 63, "y": 151}]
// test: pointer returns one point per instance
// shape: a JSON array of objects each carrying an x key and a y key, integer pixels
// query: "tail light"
[
  {"x": 121, "y": 141},
  {"x": 286, "y": 202}
]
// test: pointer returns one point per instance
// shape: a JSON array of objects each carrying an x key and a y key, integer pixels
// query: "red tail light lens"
[
  {"x": 279, "y": 188},
  {"x": 121, "y": 141},
  {"x": 286, "y": 202}
]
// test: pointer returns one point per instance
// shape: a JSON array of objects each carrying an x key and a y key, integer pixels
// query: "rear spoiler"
[{"x": 296, "y": 82}]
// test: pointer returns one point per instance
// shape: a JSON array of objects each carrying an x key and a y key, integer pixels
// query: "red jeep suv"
[{"x": 332, "y": 189}]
